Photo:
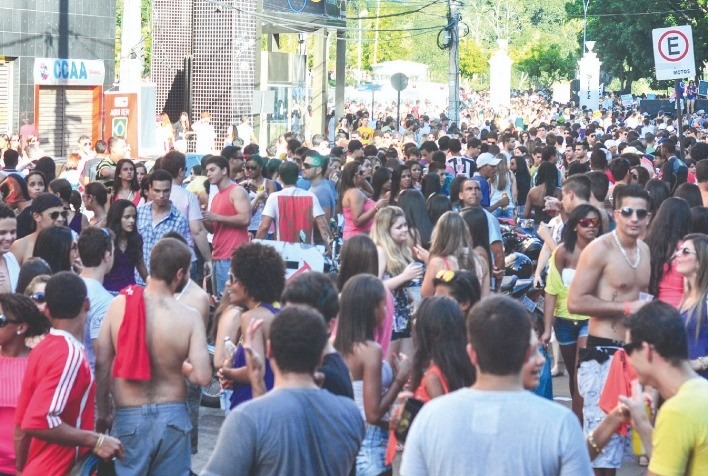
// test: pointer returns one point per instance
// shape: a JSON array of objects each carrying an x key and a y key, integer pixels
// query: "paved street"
[{"x": 210, "y": 420}]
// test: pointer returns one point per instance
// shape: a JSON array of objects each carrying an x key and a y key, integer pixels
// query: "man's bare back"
[
  {"x": 196, "y": 298},
  {"x": 175, "y": 334}
]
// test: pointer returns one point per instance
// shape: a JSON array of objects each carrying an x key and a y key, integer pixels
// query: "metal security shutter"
[
  {"x": 50, "y": 120},
  {"x": 65, "y": 113},
  {"x": 4, "y": 98},
  {"x": 78, "y": 116}
]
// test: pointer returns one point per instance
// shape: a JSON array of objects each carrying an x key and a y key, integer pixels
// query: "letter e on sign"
[{"x": 673, "y": 52}]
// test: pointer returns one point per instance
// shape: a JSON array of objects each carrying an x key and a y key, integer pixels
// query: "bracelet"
[
  {"x": 591, "y": 440},
  {"x": 101, "y": 437},
  {"x": 627, "y": 309}
]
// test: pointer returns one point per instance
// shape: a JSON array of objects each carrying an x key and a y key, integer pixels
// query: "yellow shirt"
[
  {"x": 366, "y": 133},
  {"x": 556, "y": 287},
  {"x": 680, "y": 438}
]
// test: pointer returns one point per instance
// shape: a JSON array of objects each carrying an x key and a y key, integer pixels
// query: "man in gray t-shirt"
[
  {"x": 296, "y": 428},
  {"x": 496, "y": 427}
]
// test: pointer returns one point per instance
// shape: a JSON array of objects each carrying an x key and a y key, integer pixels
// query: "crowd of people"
[{"x": 116, "y": 274}]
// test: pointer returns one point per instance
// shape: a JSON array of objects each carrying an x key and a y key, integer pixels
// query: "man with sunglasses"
[
  {"x": 657, "y": 349},
  {"x": 47, "y": 211},
  {"x": 611, "y": 276}
]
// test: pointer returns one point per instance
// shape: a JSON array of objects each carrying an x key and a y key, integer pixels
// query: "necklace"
[{"x": 624, "y": 252}]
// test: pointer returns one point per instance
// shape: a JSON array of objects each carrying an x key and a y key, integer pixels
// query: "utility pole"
[{"x": 454, "y": 67}]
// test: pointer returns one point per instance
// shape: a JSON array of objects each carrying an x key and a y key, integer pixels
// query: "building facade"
[{"x": 56, "y": 58}]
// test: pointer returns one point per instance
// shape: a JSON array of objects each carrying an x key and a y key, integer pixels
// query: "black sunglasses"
[
  {"x": 5, "y": 321},
  {"x": 628, "y": 212},
  {"x": 55, "y": 215},
  {"x": 251, "y": 167},
  {"x": 632, "y": 346},
  {"x": 307, "y": 166},
  {"x": 38, "y": 298}
]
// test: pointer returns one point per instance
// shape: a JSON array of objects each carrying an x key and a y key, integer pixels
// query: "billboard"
[{"x": 327, "y": 8}]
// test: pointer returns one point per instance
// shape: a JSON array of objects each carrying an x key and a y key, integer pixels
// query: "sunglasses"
[
  {"x": 307, "y": 166},
  {"x": 5, "y": 321},
  {"x": 685, "y": 251},
  {"x": 38, "y": 298},
  {"x": 445, "y": 276},
  {"x": 251, "y": 167},
  {"x": 587, "y": 222},
  {"x": 628, "y": 212},
  {"x": 632, "y": 346},
  {"x": 232, "y": 278},
  {"x": 55, "y": 215}
]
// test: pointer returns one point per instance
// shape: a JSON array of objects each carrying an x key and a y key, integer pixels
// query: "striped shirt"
[{"x": 58, "y": 388}]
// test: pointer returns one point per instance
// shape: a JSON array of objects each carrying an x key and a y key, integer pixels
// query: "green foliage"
[
  {"x": 145, "y": 32},
  {"x": 545, "y": 59},
  {"x": 624, "y": 41}
]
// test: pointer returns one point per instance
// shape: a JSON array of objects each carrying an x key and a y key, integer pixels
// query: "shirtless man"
[
  {"x": 47, "y": 211},
  {"x": 612, "y": 272},
  {"x": 151, "y": 412}
]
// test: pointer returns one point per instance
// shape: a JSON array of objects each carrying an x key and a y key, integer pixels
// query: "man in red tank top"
[{"x": 228, "y": 218}]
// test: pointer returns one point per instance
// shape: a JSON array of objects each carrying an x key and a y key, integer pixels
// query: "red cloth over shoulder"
[{"x": 132, "y": 360}]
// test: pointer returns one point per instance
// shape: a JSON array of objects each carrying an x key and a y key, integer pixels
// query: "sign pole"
[
  {"x": 679, "y": 115},
  {"x": 398, "y": 113}
]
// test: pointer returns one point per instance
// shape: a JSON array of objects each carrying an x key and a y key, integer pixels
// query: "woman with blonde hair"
[
  {"x": 691, "y": 258},
  {"x": 165, "y": 132},
  {"x": 451, "y": 249},
  {"x": 503, "y": 185},
  {"x": 398, "y": 270}
]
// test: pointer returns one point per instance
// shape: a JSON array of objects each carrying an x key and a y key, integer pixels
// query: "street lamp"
[
  {"x": 363, "y": 13},
  {"x": 586, "y": 4}
]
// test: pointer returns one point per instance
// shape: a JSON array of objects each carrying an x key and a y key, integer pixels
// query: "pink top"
[
  {"x": 671, "y": 286},
  {"x": 12, "y": 370},
  {"x": 350, "y": 229}
]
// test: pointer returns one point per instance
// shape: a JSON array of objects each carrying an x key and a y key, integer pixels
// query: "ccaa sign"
[{"x": 68, "y": 72}]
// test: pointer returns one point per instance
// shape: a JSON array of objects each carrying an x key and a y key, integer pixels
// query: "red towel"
[
  {"x": 619, "y": 382},
  {"x": 132, "y": 360},
  {"x": 295, "y": 215}
]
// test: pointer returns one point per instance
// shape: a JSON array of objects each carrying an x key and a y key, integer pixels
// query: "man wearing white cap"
[
  {"x": 486, "y": 168},
  {"x": 611, "y": 145}
]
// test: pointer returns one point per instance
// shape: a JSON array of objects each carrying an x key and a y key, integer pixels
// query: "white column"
[
  {"x": 500, "y": 75},
  {"x": 589, "y": 77},
  {"x": 131, "y": 47}
]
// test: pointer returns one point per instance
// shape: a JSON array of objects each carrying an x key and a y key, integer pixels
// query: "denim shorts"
[
  {"x": 371, "y": 459},
  {"x": 156, "y": 439},
  {"x": 569, "y": 331}
]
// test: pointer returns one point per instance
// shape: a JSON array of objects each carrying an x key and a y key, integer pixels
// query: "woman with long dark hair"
[
  {"x": 671, "y": 223},
  {"x": 440, "y": 362},
  {"x": 401, "y": 180},
  {"x": 376, "y": 383},
  {"x": 584, "y": 225},
  {"x": 125, "y": 183},
  {"x": 381, "y": 183},
  {"x": 478, "y": 226},
  {"x": 692, "y": 263},
  {"x": 437, "y": 204},
  {"x": 57, "y": 246},
  {"x": 128, "y": 247},
  {"x": 36, "y": 184},
  {"x": 360, "y": 256},
  {"x": 658, "y": 192},
  {"x": 358, "y": 211},
  {"x": 420, "y": 228},
  {"x": 520, "y": 167},
  {"x": 546, "y": 186}
]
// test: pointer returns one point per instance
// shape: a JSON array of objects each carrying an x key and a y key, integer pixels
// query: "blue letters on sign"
[{"x": 64, "y": 70}]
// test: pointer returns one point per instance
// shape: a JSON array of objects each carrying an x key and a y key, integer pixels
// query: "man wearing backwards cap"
[
  {"x": 47, "y": 211},
  {"x": 486, "y": 168}
]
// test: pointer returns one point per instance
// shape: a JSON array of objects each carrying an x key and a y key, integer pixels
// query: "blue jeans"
[
  {"x": 156, "y": 439},
  {"x": 371, "y": 459},
  {"x": 568, "y": 331},
  {"x": 221, "y": 275}
]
